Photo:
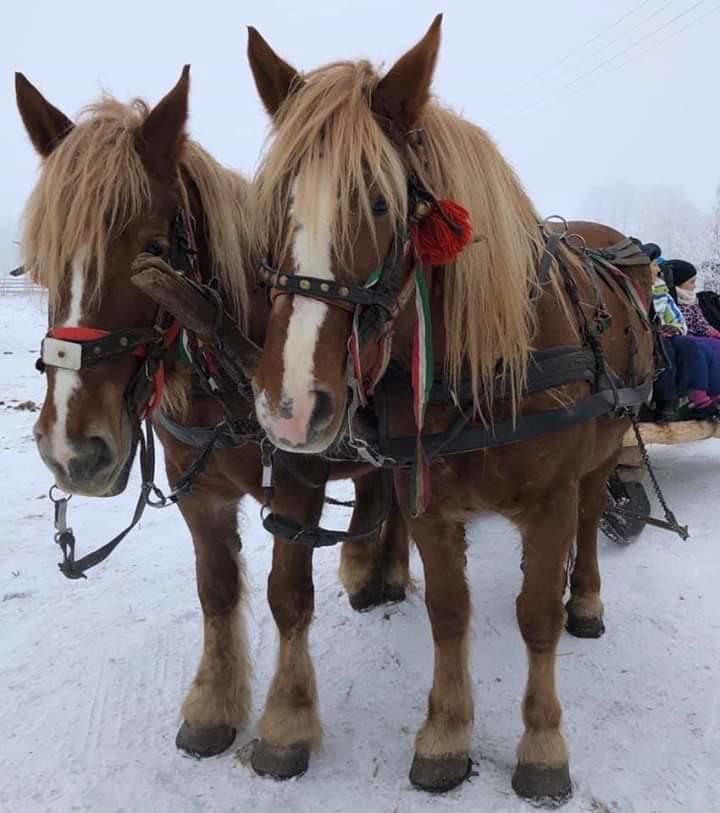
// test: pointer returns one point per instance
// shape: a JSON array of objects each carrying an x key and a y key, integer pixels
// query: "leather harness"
[{"x": 375, "y": 308}]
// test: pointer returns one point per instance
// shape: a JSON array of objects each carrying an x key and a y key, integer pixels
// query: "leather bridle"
[
  {"x": 374, "y": 305},
  {"x": 80, "y": 348}
]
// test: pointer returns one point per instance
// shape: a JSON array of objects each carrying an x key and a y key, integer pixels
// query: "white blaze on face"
[
  {"x": 67, "y": 381},
  {"x": 313, "y": 214}
]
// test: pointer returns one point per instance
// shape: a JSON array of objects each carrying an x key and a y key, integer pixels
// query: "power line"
[
  {"x": 599, "y": 67},
  {"x": 581, "y": 48},
  {"x": 669, "y": 37},
  {"x": 568, "y": 85},
  {"x": 634, "y": 28}
]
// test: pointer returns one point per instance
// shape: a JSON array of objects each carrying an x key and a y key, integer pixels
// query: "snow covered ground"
[{"x": 92, "y": 673}]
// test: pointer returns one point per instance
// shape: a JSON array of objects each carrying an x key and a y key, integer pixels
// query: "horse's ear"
[
  {"x": 274, "y": 78},
  {"x": 403, "y": 92},
  {"x": 45, "y": 124},
  {"x": 162, "y": 134}
]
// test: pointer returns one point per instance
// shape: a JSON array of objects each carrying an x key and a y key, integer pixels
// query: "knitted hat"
[
  {"x": 652, "y": 250},
  {"x": 681, "y": 270}
]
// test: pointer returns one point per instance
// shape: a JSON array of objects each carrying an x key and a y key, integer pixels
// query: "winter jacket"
[
  {"x": 668, "y": 313},
  {"x": 710, "y": 305},
  {"x": 697, "y": 324}
]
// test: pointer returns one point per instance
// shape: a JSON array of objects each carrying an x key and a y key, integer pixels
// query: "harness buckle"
[
  {"x": 267, "y": 450},
  {"x": 361, "y": 447},
  {"x": 64, "y": 536},
  {"x": 61, "y": 504}
]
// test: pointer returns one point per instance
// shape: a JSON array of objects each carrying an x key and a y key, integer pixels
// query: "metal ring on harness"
[
  {"x": 576, "y": 243},
  {"x": 56, "y": 500},
  {"x": 554, "y": 220}
]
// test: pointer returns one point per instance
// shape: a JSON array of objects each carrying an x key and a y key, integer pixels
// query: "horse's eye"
[
  {"x": 379, "y": 207},
  {"x": 156, "y": 248}
]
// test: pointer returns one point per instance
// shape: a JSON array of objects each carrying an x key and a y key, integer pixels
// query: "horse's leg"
[
  {"x": 443, "y": 743},
  {"x": 219, "y": 699},
  {"x": 585, "y": 608},
  {"x": 290, "y": 726},
  {"x": 376, "y": 570},
  {"x": 396, "y": 554},
  {"x": 548, "y": 528}
]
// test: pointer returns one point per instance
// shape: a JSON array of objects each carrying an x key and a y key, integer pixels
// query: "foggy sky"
[{"x": 653, "y": 120}]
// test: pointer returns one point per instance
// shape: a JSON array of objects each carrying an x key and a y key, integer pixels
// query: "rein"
[{"x": 150, "y": 495}]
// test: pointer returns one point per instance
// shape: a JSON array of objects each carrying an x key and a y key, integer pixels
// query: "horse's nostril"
[
  {"x": 323, "y": 411},
  {"x": 94, "y": 456},
  {"x": 99, "y": 451}
]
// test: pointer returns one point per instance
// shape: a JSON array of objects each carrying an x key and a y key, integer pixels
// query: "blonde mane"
[
  {"x": 327, "y": 126},
  {"x": 94, "y": 184}
]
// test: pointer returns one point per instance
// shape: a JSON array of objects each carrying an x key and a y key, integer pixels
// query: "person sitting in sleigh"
[{"x": 694, "y": 362}]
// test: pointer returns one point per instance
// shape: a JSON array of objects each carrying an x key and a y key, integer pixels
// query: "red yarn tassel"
[{"x": 440, "y": 237}]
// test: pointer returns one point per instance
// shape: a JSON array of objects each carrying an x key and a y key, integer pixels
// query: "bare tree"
[{"x": 710, "y": 269}]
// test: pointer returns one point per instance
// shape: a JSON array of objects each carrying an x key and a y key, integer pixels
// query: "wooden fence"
[{"x": 17, "y": 285}]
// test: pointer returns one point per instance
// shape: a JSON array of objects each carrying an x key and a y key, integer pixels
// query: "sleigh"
[{"x": 628, "y": 510}]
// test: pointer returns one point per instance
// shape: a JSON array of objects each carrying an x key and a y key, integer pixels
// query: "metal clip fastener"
[
  {"x": 266, "y": 454},
  {"x": 64, "y": 536},
  {"x": 60, "y": 504}
]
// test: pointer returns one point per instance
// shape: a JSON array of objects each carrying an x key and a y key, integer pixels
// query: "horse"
[
  {"x": 401, "y": 248},
  {"x": 126, "y": 179}
]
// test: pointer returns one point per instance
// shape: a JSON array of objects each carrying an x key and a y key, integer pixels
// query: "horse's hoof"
[
  {"x": 549, "y": 787},
  {"x": 280, "y": 763},
  {"x": 368, "y": 597},
  {"x": 439, "y": 774},
  {"x": 393, "y": 593},
  {"x": 374, "y": 594},
  {"x": 200, "y": 741},
  {"x": 584, "y": 626}
]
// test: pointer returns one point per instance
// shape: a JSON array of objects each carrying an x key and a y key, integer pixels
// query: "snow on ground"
[{"x": 92, "y": 673}]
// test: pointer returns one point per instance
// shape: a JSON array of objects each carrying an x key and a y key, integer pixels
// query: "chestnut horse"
[
  {"x": 110, "y": 187},
  {"x": 355, "y": 162}
]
